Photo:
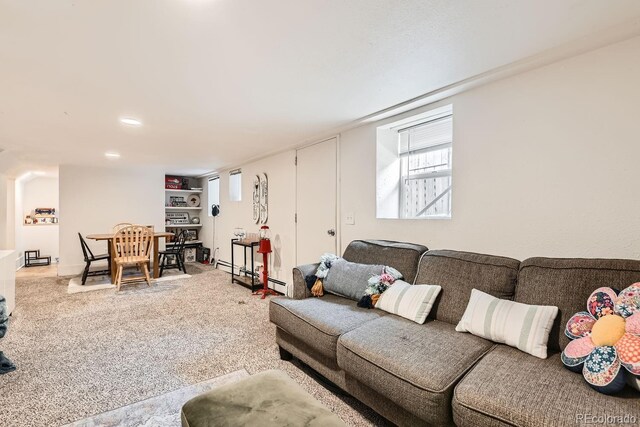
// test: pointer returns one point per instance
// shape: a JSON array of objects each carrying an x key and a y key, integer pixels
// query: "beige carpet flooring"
[{"x": 83, "y": 354}]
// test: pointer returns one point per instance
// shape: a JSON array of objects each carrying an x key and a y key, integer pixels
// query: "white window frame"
[
  {"x": 235, "y": 185},
  {"x": 387, "y": 189},
  {"x": 213, "y": 181}
]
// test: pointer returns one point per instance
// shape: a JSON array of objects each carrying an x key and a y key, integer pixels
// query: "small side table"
[
  {"x": 33, "y": 258},
  {"x": 247, "y": 280}
]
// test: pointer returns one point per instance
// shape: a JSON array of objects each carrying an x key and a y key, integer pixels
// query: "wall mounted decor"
[
  {"x": 264, "y": 205},
  {"x": 256, "y": 199},
  {"x": 41, "y": 216}
]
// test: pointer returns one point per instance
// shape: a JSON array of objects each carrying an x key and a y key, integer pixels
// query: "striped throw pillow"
[
  {"x": 525, "y": 327},
  {"x": 412, "y": 302}
]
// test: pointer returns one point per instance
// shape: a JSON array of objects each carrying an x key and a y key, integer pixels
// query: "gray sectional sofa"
[{"x": 429, "y": 374}]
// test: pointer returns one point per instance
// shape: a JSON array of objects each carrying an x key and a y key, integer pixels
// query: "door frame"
[{"x": 337, "y": 212}]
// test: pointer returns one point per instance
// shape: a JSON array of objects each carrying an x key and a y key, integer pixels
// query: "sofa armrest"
[{"x": 300, "y": 290}]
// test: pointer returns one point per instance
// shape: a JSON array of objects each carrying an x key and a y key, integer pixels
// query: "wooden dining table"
[{"x": 157, "y": 235}]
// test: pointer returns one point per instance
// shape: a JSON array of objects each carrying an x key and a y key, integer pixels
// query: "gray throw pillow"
[{"x": 349, "y": 279}]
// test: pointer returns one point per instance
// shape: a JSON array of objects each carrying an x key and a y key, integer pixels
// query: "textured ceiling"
[{"x": 219, "y": 81}]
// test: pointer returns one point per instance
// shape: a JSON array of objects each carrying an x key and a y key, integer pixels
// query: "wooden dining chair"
[
  {"x": 131, "y": 247},
  {"x": 174, "y": 253},
  {"x": 120, "y": 226},
  {"x": 89, "y": 257}
]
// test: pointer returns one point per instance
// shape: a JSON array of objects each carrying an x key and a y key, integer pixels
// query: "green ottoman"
[{"x": 266, "y": 399}]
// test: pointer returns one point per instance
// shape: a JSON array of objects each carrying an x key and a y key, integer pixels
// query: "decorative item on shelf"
[
  {"x": 191, "y": 235},
  {"x": 264, "y": 207},
  {"x": 45, "y": 211},
  {"x": 195, "y": 220},
  {"x": 172, "y": 182},
  {"x": 178, "y": 201},
  {"x": 193, "y": 200},
  {"x": 177, "y": 218},
  {"x": 265, "y": 249},
  {"x": 40, "y": 219},
  {"x": 190, "y": 254},
  {"x": 185, "y": 183},
  {"x": 196, "y": 188},
  {"x": 239, "y": 233},
  {"x": 41, "y": 216}
]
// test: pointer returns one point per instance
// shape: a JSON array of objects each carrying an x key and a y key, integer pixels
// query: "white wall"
[
  {"x": 18, "y": 220},
  {"x": 206, "y": 232},
  {"x": 93, "y": 200},
  {"x": 6, "y": 215},
  {"x": 545, "y": 164},
  {"x": 39, "y": 192},
  {"x": 280, "y": 170}
]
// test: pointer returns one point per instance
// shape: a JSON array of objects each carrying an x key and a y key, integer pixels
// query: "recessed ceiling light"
[
  {"x": 111, "y": 155},
  {"x": 130, "y": 121}
]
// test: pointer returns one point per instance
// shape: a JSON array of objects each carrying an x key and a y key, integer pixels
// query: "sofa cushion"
[
  {"x": 318, "y": 322},
  {"x": 415, "y": 366},
  {"x": 514, "y": 388},
  {"x": 412, "y": 302},
  {"x": 523, "y": 326},
  {"x": 403, "y": 257},
  {"x": 459, "y": 272},
  {"x": 567, "y": 283},
  {"x": 350, "y": 279}
]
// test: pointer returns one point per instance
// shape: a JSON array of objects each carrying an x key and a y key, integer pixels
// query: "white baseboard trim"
[{"x": 19, "y": 262}]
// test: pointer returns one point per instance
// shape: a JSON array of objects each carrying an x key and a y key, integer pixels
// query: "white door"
[{"x": 316, "y": 201}]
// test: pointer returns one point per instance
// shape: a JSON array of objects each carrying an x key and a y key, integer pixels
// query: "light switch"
[{"x": 350, "y": 219}]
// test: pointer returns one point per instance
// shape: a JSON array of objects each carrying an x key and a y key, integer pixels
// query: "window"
[
  {"x": 235, "y": 185},
  {"x": 414, "y": 166},
  {"x": 213, "y": 191}
]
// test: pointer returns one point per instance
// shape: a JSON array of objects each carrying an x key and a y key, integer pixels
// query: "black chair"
[
  {"x": 175, "y": 251},
  {"x": 89, "y": 257}
]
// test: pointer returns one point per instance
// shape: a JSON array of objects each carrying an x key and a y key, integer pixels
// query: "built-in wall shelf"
[
  {"x": 182, "y": 191},
  {"x": 182, "y": 208},
  {"x": 180, "y": 216}
]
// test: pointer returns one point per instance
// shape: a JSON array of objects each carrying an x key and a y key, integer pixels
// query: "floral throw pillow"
[{"x": 606, "y": 340}]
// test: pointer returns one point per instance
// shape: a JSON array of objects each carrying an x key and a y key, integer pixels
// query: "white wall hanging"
[
  {"x": 264, "y": 199},
  {"x": 256, "y": 199}
]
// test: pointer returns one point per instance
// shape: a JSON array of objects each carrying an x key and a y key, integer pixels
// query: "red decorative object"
[
  {"x": 265, "y": 250},
  {"x": 172, "y": 182}
]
